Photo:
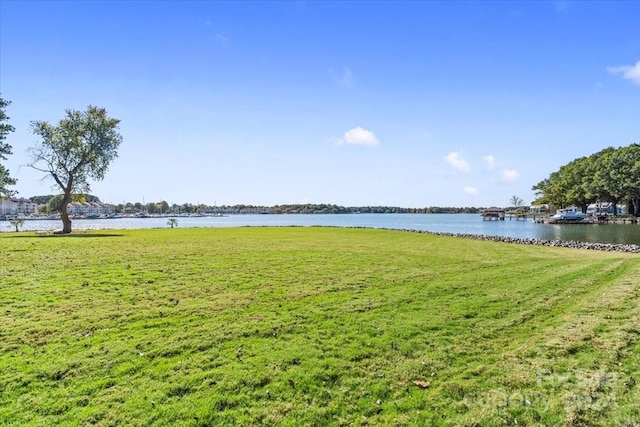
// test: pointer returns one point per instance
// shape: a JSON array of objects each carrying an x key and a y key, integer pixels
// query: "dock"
[
  {"x": 518, "y": 214},
  {"x": 490, "y": 214},
  {"x": 599, "y": 219}
]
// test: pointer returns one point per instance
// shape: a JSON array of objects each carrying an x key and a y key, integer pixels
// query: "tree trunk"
[{"x": 64, "y": 215}]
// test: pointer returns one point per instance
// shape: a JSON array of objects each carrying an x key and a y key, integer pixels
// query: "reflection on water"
[
  {"x": 448, "y": 223},
  {"x": 602, "y": 233}
]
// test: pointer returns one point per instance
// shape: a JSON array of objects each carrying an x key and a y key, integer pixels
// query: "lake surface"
[{"x": 448, "y": 223}]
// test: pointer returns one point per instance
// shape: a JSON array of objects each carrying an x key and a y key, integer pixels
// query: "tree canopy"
[
  {"x": 5, "y": 150},
  {"x": 77, "y": 150},
  {"x": 610, "y": 175}
]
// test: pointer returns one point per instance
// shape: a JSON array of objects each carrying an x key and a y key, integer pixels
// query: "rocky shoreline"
[{"x": 609, "y": 247}]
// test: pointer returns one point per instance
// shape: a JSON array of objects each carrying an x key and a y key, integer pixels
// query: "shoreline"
[
  {"x": 608, "y": 237},
  {"x": 607, "y": 247}
]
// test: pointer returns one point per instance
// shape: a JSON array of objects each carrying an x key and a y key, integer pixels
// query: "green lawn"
[{"x": 314, "y": 326}]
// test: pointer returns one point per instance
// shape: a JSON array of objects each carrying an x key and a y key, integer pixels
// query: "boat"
[{"x": 568, "y": 215}]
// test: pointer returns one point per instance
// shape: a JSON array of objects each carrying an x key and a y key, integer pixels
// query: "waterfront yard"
[{"x": 301, "y": 326}]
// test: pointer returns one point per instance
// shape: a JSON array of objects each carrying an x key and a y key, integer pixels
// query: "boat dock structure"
[
  {"x": 500, "y": 214},
  {"x": 490, "y": 214}
]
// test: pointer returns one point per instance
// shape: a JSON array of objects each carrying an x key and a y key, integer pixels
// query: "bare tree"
[{"x": 516, "y": 202}]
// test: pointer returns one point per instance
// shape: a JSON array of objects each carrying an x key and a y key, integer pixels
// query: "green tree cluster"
[
  {"x": 610, "y": 175},
  {"x": 5, "y": 150}
]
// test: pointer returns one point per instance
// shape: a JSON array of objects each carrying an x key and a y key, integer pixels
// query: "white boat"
[{"x": 569, "y": 214}]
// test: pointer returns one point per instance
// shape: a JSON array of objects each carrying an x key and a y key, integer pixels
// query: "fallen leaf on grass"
[{"x": 423, "y": 384}]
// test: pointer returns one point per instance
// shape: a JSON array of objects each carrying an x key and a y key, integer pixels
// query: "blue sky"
[{"x": 408, "y": 104}]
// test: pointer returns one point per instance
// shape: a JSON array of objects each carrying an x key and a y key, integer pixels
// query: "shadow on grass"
[{"x": 72, "y": 235}]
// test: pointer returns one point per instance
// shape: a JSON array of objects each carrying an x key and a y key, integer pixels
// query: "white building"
[
  {"x": 605, "y": 208},
  {"x": 539, "y": 209},
  {"x": 18, "y": 207},
  {"x": 88, "y": 208}
]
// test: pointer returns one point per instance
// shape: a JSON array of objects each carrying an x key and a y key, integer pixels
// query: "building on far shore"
[
  {"x": 540, "y": 209},
  {"x": 605, "y": 209},
  {"x": 20, "y": 207},
  {"x": 89, "y": 208},
  {"x": 17, "y": 206}
]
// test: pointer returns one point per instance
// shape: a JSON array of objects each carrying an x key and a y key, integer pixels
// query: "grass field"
[{"x": 314, "y": 326}]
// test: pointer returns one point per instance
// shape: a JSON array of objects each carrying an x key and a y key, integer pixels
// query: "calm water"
[{"x": 454, "y": 223}]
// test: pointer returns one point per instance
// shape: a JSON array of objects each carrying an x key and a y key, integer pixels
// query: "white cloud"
[
  {"x": 457, "y": 161},
  {"x": 471, "y": 190},
  {"x": 344, "y": 78},
  {"x": 629, "y": 72},
  {"x": 490, "y": 161},
  {"x": 221, "y": 40},
  {"x": 357, "y": 136},
  {"x": 509, "y": 175}
]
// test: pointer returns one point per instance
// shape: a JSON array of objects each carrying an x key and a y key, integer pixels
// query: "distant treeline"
[
  {"x": 312, "y": 208},
  {"x": 163, "y": 207},
  {"x": 334, "y": 209}
]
